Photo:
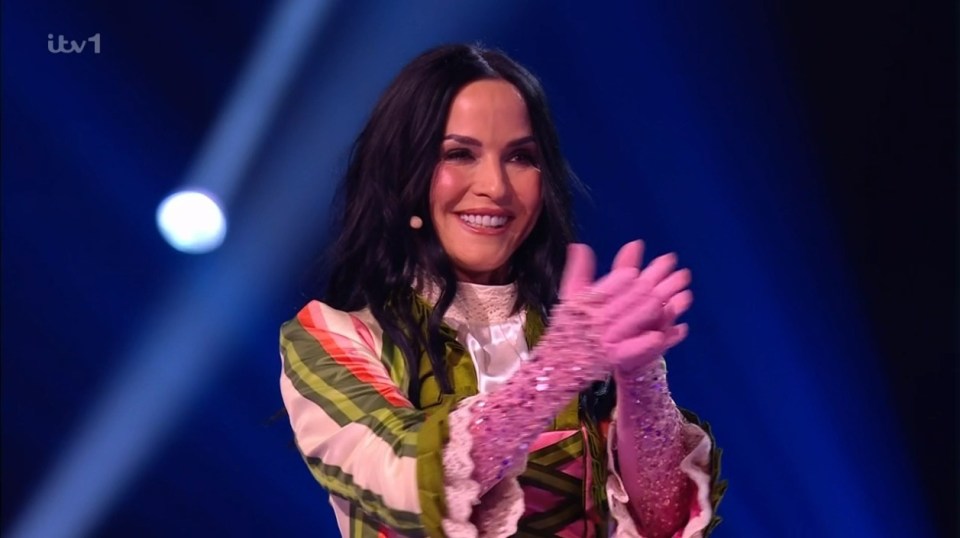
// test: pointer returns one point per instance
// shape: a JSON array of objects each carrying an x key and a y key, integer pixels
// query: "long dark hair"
[{"x": 376, "y": 255}]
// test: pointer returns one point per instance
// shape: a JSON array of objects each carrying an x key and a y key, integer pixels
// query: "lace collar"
[{"x": 474, "y": 304}]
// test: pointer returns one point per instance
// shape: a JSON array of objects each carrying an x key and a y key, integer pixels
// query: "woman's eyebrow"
[
  {"x": 466, "y": 140},
  {"x": 521, "y": 141},
  {"x": 470, "y": 141}
]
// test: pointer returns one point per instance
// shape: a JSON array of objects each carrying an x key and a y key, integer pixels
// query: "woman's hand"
[
  {"x": 644, "y": 317},
  {"x": 641, "y": 306}
]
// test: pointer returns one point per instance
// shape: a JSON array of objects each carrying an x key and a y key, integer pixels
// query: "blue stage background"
[{"x": 800, "y": 157}]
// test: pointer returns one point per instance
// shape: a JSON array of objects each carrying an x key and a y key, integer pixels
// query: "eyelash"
[
  {"x": 527, "y": 158},
  {"x": 458, "y": 154},
  {"x": 462, "y": 154}
]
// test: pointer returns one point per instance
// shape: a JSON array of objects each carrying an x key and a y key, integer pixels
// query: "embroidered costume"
[{"x": 436, "y": 469}]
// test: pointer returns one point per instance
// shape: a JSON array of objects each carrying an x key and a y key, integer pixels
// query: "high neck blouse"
[{"x": 481, "y": 315}]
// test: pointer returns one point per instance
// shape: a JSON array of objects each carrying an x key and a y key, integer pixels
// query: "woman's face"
[{"x": 485, "y": 196}]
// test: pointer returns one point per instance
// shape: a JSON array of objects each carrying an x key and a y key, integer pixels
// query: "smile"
[{"x": 484, "y": 221}]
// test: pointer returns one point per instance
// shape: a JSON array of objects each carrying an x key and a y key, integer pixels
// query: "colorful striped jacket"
[{"x": 345, "y": 388}]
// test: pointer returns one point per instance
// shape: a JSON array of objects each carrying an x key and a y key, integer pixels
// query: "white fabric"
[
  {"x": 493, "y": 336},
  {"x": 496, "y": 350}
]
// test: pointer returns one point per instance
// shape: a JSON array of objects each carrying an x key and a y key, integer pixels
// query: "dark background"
[
  {"x": 800, "y": 156},
  {"x": 883, "y": 80}
]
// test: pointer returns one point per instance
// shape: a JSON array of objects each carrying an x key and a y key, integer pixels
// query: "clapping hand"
[{"x": 641, "y": 306}]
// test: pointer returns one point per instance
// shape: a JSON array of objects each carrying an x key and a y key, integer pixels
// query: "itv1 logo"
[{"x": 63, "y": 46}]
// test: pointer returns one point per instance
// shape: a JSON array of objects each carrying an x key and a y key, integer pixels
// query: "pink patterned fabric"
[{"x": 538, "y": 500}]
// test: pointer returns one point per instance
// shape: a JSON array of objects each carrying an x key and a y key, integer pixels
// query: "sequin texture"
[{"x": 565, "y": 362}]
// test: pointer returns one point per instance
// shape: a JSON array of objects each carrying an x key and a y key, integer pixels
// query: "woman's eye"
[
  {"x": 458, "y": 155},
  {"x": 526, "y": 158}
]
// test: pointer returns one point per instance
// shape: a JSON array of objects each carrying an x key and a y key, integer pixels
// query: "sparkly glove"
[
  {"x": 491, "y": 434},
  {"x": 617, "y": 323},
  {"x": 505, "y": 422},
  {"x": 649, "y": 425},
  {"x": 650, "y": 449},
  {"x": 502, "y": 424}
]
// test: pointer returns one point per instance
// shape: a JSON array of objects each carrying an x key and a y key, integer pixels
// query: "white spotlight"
[{"x": 191, "y": 221}]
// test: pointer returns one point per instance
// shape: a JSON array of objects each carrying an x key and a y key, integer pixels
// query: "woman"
[{"x": 458, "y": 378}]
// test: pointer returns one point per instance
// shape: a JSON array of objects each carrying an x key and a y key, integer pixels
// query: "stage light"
[
  {"x": 192, "y": 222},
  {"x": 167, "y": 365}
]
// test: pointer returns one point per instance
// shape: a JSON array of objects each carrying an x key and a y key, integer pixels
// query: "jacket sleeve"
[{"x": 358, "y": 433}]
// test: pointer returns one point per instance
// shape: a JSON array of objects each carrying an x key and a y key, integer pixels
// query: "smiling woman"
[
  {"x": 485, "y": 195},
  {"x": 457, "y": 379}
]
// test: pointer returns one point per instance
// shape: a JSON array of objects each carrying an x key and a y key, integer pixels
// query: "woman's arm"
[
  {"x": 649, "y": 451},
  {"x": 497, "y": 429},
  {"x": 359, "y": 435},
  {"x": 660, "y": 469}
]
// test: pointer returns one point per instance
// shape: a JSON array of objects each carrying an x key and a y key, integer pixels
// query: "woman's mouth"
[{"x": 484, "y": 221}]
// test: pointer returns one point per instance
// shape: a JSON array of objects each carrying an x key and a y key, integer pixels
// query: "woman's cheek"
[{"x": 446, "y": 186}]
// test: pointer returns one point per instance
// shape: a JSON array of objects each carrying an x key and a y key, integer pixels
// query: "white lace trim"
[
  {"x": 695, "y": 465},
  {"x": 475, "y": 304},
  {"x": 498, "y": 511}
]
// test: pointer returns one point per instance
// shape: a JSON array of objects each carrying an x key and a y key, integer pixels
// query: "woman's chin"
[{"x": 481, "y": 273}]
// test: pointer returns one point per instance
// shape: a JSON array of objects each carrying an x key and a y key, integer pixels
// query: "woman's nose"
[{"x": 492, "y": 179}]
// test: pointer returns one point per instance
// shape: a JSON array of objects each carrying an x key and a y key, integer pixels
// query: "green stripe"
[
  {"x": 395, "y": 363},
  {"x": 597, "y": 452},
  {"x": 356, "y": 522},
  {"x": 340, "y": 483},
  {"x": 362, "y": 525},
  {"x": 553, "y": 520},
  {"x": 569, "y": 417},
  {"x": 430, "y": 476},
  {"x": 385, "y": 423},
  {"x": 559, "y": 453},
  {"x": 551, "y": 480},
  {"x": 345, "y": 399}
]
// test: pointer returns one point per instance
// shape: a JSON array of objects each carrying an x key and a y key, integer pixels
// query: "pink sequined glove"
[
  {"x": 567, "y": 359},
  {"x": 650, "y": 427}
]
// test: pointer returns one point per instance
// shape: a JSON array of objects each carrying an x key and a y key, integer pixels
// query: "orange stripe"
[{"x": 358, "y": 366}]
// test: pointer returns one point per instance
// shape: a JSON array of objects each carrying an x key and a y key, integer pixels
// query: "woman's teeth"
[{"x": 486, "y": 221}]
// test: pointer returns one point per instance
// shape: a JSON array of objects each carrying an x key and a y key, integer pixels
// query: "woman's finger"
[
  {"x": 675, "y": 335},
  {"x": 629, "y": 318},
  {"x": 616, "y": 281},
  {"x": 630, "y": 255},
  {"x": 659, "y": 268},
  {"x": 676, "y": 307},
  {"x": 673, "y": 284},
  {"x": 638, "y": 294},
  {"x": 579, "y": 270},
  {"x": 639, "y": 308}
]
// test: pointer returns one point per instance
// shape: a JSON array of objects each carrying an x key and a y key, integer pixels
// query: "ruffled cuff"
[
  {"x": 469, "y": 515},
  {"x": 696, "y": 465}
]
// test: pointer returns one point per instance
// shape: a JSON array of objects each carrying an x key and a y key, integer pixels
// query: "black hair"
[{"x": 376, "y": 256}]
